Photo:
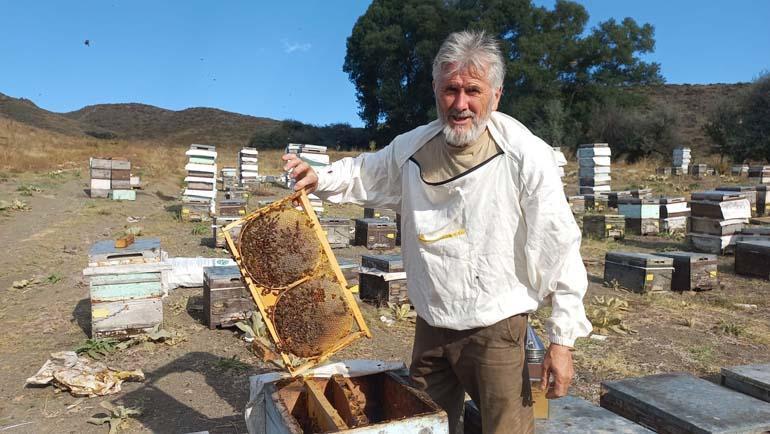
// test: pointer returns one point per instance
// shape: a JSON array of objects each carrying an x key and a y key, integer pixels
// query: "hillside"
[
  {"x": 694, "y": 103},
  {"x": 139, "y": 122},
  {"x": 144, "y": 122}
]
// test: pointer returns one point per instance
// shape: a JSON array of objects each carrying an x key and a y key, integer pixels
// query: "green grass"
[
  {"x": 231, "y": 364},
  {"x": 54, "y": 278}
]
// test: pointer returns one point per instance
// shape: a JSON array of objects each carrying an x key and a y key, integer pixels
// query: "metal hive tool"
[{"x": 295, "y": 281}]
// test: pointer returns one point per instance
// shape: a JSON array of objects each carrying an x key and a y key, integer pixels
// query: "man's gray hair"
[{"x": 473, "y": 51}]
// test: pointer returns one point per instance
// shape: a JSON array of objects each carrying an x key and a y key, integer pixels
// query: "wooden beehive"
[
  {"x": 665, "y": 171},
  {"x": 380, "y": 213},
  {"x": 225, "y": 297},
  {"x": 681, "y": 403},
  {"x": 232, "y": 208},
  {"x": 720, "y": 205},
  {"x": 387, "y": 286},
  {"x": 638, "y": 272},
  {"x": 752, "y": 258},
  {"x": 613, "y": 196},
  {"x": 601, "y": 226},
  {"x": 752, "y": 380},
  {"x": 126, "y": 286},
  {"x": 714, "y": 226},
  {"x": 642, "y": 226},
  {"x": 293, "y": 276},
  {"x": 195, "y": 212},
  {"x": 382, "y": 403},
  {"x": 375, "y": 233},
  {"x": 338, "y": 230},
  {"x": 596, "y": 202},
  {"x": 693, "y": 271}
]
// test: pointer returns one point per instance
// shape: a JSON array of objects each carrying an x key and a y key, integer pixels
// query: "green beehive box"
[{"x": 123, "y": 195}]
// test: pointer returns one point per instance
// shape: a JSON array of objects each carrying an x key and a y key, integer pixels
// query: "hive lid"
[
  {"x": 693, "y": 257},
  {"x": 715, "y": 195},
  {"x": 639, "y": 259},
  {"x": 297, "y": 285}
]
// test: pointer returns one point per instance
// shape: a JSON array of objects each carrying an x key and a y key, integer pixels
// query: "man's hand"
[
  {"x": 557, "y": 364},
  {"x": 302, "y": 172}
]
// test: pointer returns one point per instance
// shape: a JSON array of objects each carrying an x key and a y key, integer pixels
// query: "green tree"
[
  {"x": 548, "y": 54},
  {"x": 740, "y": 127}
]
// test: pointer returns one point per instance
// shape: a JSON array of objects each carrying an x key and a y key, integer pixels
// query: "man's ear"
[{"x": 497, "y": 95}]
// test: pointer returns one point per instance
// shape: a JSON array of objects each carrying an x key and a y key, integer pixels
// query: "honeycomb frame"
[{"x": 266, "y": 298}]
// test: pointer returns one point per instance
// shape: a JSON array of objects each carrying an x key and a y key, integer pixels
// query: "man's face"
[{"x": 464, "y": 101}]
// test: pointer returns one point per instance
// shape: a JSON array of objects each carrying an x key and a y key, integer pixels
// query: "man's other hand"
[
  {"x": 301, "y": 172},
  {"x": 557, "y": 364}
]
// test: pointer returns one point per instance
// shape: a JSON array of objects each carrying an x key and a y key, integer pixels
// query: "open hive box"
[
  {"x": 291, "y": 272},
  {"x": 381, "y": 403}
]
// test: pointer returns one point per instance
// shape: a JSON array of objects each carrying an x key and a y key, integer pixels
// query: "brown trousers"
[{"x": 488, "y": 363}]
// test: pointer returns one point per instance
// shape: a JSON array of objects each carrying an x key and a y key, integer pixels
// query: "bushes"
[{"x": 740, "y": 127}]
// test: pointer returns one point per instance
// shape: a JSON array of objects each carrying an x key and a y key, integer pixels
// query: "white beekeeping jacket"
[{"x": 490, "y": 243}]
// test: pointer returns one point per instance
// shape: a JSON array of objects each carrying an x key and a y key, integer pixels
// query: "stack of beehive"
[
  {"x": 594, "y": 168},
  {"x": 111, "y": 177},
  {"x": 226, "y": 300},
  {"x": 120, "y": 180},
  {"x": 681, "y": 159},
  {"x": 701, "y": 170},
  {"x": 316, "y": 157},
  {"x": 642, "y": 214},
  {"x": 101, "y": 173},
  {"x": 750, "y": 191},
  {"x": 229, "y": 210},
  {"x": 126, "y": 286},
  {"x": 561, "y": 160},
  {"x": 740, "y": 170},
  {"x": 199, "y": 197},
  {"x": 716, "y": 219},
  {"x": 382, "y": 280},
  {"x": 229, "y": 178},
  {"x": 673, "y": 215},
  {"x": 248, "y": 166},
  {"x": 759, "y": 174}
]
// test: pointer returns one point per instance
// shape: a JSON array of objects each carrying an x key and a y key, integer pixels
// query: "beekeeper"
[{"x": 487, "y": 237}]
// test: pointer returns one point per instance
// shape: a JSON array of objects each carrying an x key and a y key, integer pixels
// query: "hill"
[
  {"x": 693, "y": 103},
  {"x": 144, "y": 122},
  {"x": 140, "y": 122}
]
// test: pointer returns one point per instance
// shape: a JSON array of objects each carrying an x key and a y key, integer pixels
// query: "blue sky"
[{"x": 284, "y": 59}]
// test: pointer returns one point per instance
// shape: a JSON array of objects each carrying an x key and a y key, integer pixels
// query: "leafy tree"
[
  {"x": 336, "y": 136},
  {"x": 740, "y": 127},
  {"x": 550, "y": 61}
]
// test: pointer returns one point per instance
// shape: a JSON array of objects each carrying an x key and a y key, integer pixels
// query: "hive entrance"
[{"x": 291, "y": 272}]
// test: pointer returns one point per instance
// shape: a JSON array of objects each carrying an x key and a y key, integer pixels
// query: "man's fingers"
[
  {"x": 292, "y": 162},
  {"x": 544, "y": 377},
  {"x": 560, "y": 387}
]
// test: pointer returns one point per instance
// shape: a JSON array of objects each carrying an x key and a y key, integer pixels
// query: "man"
[{"x": 487, "y": 235}]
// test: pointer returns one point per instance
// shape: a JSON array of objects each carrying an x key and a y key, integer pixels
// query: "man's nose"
[{"x": 461, "y": 102}]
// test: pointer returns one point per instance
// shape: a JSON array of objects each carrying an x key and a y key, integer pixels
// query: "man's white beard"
[{"x": 461, "y": 137}]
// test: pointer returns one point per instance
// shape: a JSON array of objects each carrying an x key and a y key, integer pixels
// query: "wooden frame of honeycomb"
[{"x": 266, "y": 298}]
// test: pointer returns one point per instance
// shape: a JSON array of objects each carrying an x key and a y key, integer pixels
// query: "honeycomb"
[
  {"x": 279, "y": 248},
  {"x": 294, "y": 278},
  {"x": 312, "y": 317}
]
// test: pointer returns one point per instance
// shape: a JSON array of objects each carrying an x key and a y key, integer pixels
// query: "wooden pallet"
[{"x": 265, "y": 299}]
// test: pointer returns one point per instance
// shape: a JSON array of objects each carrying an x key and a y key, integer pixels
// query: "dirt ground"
[{"x": 201, "y": 382}]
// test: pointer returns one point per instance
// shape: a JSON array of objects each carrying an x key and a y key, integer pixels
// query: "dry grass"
[{"x": 28, "y": 149}]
